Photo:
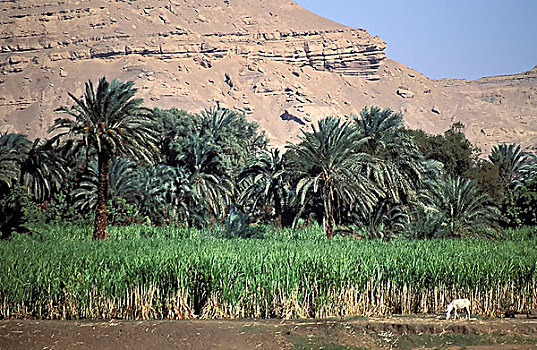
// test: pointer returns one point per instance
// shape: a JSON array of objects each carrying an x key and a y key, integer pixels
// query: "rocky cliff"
[
  {"x": 278, "y": 63},
  {"x": 38, "y": 34}
]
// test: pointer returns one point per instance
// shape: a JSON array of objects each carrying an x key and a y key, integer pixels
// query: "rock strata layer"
[{"x": 36, "y": 33}]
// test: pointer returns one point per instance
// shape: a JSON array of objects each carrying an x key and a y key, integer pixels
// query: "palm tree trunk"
[
  {"x": 101, "y": 210},
  {"x": 329, "y": 223}
]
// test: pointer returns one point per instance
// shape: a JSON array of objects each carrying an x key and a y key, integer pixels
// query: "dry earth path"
[{"x": 372, "y": 333}]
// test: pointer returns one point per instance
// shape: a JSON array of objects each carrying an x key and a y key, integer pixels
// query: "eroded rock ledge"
[{"x": 36, "y": 33}]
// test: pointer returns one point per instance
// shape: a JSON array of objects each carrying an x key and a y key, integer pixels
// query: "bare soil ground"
[{"x": 426, "y": 332}]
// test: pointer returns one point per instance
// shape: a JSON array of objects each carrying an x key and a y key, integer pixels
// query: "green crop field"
[{"x": 146, "y": 272}]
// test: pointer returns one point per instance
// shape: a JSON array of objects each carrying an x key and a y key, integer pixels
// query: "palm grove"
[{"x": 112, "y": 161}]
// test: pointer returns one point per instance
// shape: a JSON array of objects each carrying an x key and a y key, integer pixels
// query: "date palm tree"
[
  {"x": 109, "y": 122},
  {"x": 211, "y": 186},
  {"x": 26, "y": 169},
  {"x": 9, "y": 168},
  {"x": 527, "y": 172},
  {"x": 43, "y": 170},
  {"x": 510, "y": 160},
  {"x": 37, "y": 166},
  {"x": 13, "y": 150},
  {"x": 167, "y": 196},
  {"x": 458, "y": 204},
  {"x": 125, "y": 182},
  {"x": 399, "y": 168},
  {"x": 327, "y": 162},
  {"x": 267, "y": 183},
  {"x": 384, "y": 221}
]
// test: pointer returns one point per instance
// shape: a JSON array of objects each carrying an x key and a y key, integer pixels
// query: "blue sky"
[{"x": 441, "y": 38}]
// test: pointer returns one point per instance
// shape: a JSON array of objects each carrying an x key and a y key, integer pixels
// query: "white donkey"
[{"x": 458, "y": 304}]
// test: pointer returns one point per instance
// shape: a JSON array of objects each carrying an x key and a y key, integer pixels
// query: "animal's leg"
[
  {"x": 455, "y": 313},
  {"x": 468, "y": 311}
]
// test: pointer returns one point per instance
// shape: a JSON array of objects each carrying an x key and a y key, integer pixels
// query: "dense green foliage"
[
  {"x": 117, "y": 162},
  {"x": 452, "y": 149},
  {"x": 457, "y": 206},
  {"x": 147, "y": 272}
]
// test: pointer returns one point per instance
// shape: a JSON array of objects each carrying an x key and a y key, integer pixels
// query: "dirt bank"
[{"x": 372, "y": 333}]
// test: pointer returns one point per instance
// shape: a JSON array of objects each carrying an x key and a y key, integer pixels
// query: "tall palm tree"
[
  {"x": 327, "y": 162},
  {"x": 458, "y": 204},
  {"x": 268, "y": 184},
  {"x": 399, "y": 168},
  {"x": 112, "y": 122}
]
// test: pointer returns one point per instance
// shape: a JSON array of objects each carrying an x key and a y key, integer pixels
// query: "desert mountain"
[{"x": 281, "y": 65}]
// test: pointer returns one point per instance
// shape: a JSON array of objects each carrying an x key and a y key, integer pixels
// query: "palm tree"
[
  {"x": 9, "y": 167},
  {"x": 111, "y": 122},
  {"x": 510, "y": 160},
  {"x": 267, "y": 183},
  {"x": 458, "y": 204},
  {"x": 399, "y": 168},
  {"x": 208, "y": 179},
  {"x": 327, "y": 162},
  {"x": 527, "y": 172},
  {"x": 166, "y": 195},
  {"x": 125, "y": 182},
  {"x": 13, "y": 150},
  {"x": 383, "y": 221},
  {"x": 39, "y": 167},
  {"x": 215, "y": 121},
  {"x": 43, "y": 170},
  {"x": 15, "y": 141}
]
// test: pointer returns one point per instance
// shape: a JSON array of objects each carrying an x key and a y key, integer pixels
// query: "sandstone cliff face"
[
  {"x": 278, "y": 63},
  {"x": 100, "y": 35}
]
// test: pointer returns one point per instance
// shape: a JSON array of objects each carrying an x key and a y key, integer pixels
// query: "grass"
[{"x": 146, "y": 272}]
